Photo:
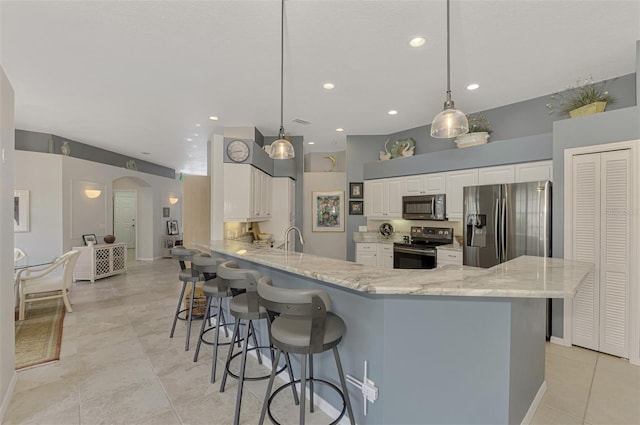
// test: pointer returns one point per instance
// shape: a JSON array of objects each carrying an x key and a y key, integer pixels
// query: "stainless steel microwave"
[{"x": 424, "y": 207}]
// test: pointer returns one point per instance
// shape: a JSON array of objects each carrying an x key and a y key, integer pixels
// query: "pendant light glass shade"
[
  {"x": 450, "y": 122},
  {"x": 282, "y": 148}
]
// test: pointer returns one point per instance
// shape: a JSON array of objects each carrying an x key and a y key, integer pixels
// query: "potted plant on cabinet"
[
  {"x": 583, "y": 98},
  {"x": 478, "y": 132}
]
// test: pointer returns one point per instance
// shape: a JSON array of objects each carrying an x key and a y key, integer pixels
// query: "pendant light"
[
  {"x": 450, "y": 122},
  {"x": 282, "y": 148}
]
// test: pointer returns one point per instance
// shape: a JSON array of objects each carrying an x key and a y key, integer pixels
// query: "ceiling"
[{"x": 144, "y": 76}]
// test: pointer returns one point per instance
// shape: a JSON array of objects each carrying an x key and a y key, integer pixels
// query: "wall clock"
[{"x": 238, "y": 150}]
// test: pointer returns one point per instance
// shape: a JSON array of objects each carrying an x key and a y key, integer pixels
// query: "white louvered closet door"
[
  {"x": 615, "y": 252},
  {"x": 586, "y": 234},
  {"x": 601, "y": 205}
]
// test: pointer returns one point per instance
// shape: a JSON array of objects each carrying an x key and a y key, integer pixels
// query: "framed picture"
[
  {"x": 166, "y": 212},
  {"x": 328, "y": 211},
  {"x": 356, "y": 190},
  {"x": 90, "y": 238},
  {"x": 355, "y": 208},
  {"x": 172, "y": 227},
  {"x": 20, "y": 210}
]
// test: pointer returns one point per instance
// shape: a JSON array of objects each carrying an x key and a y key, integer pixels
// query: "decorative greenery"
[
  {"x": 478, "y": 123},
  {"x": 584, "y": 92}
]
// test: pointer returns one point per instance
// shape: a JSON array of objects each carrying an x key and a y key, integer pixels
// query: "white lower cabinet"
[
  {"x": 384, "y": 258},
  {"x": 367, "y": 254},
  {"x": 448, "y": 257},
  {"x": 98, "y": 261}
]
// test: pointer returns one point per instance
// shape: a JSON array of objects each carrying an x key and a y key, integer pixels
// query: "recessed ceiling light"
[
  {"x": 189, "y": 140},
  {"x": 417, "y": 41},
  {"x": 195, "y": 146},
  {"x": 197, "y": 125},
  {"x": 473, "y": 86},
  {"x": 213, "y": 118},
  {"x": 328, "y": 86},
  {"x": 339, "y": 129},
  {"x": 392, "y": 112},
  {"x": 190, "y": 156},
  {"x": 311, "y": 143},
  {"x": 196, "y": 134}
]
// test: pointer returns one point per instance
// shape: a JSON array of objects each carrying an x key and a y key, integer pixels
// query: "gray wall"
[
  {"x": 360, "y": 150},
  {"x": 324, "y": 244},
  {"x": 50, "y": 143}
]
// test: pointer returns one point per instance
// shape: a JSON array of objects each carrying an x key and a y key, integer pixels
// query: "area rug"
[{"x": 39, "y": 336}]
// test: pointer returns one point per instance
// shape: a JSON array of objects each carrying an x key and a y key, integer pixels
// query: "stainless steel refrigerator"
[{"x": 505, "y": 221}]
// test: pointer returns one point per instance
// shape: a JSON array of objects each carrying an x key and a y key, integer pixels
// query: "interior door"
[{"x": 124, "y": 217}]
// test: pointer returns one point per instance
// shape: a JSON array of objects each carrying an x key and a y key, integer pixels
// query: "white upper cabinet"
[
  {"x": 383, "y": 198},
  {"x": 425, "y": 184},
  {"x": 534, "y": 171},
  {"x": 496, "y": 175},
  {"x": 247, "y": 193},
  {"x": 456, "y": 181}
]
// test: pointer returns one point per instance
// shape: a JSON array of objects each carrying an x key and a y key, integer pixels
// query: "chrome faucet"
[{"x": 286, "y": 237}]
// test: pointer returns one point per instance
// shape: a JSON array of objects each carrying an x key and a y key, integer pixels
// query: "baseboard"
[
  {"x": 534, "y": 404},
  {"x": 559, "y": 341},
  {"x": 8, "y": 396}
]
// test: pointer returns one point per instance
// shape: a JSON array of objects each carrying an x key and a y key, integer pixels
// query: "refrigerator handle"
[
  {"x": 504, "y": 229},
  {"x": 547, "y": 218},
  {"x": 496, "y": 223},
  {"x": 433, "y": 207}
]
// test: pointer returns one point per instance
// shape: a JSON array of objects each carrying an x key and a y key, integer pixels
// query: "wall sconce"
[
  {"x": 92, "y": 193},
  {"x": 173, "y": 200}
]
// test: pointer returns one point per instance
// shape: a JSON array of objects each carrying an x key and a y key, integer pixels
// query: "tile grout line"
[{"x": 593, "y": 376}]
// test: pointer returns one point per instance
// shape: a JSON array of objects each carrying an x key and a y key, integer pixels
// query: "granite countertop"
[
  {"x": 358, "y": 237},
  {"x": 451, "y": 247},
  {"x": 524, "y": 277}
]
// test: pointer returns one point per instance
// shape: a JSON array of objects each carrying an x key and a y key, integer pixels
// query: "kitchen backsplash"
[{"x": 404, "y": 226}]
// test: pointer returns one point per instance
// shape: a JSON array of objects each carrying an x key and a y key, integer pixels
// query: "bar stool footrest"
[
  {"x": 315, "y": 380},
  {"x": 249, "y": 378}
]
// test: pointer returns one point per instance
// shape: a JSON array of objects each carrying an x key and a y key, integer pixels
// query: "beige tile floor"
[{"x": 118, "y": 366}]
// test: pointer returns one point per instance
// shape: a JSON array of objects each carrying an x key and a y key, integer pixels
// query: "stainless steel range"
[{"x": 418, "y": 251}]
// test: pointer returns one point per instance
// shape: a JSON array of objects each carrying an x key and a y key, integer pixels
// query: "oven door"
[{"x": 405, "y": 257}]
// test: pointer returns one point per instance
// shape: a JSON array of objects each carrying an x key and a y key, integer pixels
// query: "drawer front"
[
  {"x": 366, "y": 247},
  {"x": 449, "y": 256},
  {"x": 385, "y": 248}
]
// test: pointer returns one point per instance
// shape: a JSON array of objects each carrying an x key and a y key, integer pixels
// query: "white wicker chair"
[{"x": 53, "y": 281}]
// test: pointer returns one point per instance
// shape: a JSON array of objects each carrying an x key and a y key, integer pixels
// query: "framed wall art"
[
  {"x": 89, "y": 239},
  {"x": 172, "y": 227},
  {"x": 355, "y": 208},
  {"x": 20, "y": 210},
  {"x": 356, "y": 190},
  {"x": 328, "y": 211}
]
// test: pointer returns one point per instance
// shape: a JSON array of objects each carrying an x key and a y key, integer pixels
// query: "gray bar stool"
[
  {"x": 186, "y": 276},
  {"x": 303, "y": 324},
  {"x": 244, "y": 306},
  {"x": 213, "y": 289}
]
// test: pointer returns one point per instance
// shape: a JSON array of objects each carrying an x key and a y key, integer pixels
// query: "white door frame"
[{"x": 634, "y": 267}]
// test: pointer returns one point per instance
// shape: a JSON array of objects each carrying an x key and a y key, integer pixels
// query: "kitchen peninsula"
[{"x": 453, "y": 345}]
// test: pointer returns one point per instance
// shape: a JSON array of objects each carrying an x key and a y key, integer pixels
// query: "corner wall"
[{"x": 7, "y": 331}]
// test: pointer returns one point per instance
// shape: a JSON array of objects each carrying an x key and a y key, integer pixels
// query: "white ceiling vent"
[{"x": 301, "y": 121}]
